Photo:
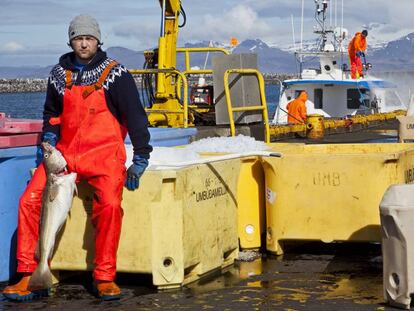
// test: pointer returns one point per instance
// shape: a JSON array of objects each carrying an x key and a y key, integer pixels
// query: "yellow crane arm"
[
  {"x": 167, "y": 46},
  {"x": 172, "y": 6}
]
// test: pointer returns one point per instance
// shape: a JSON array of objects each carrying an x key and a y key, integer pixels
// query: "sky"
[{"x": 34, "y": 32}]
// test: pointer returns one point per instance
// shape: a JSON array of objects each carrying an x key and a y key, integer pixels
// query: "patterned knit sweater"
[{"x": 121, "y": 96}]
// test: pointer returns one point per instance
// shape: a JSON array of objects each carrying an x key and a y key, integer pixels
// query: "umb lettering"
[
  {"x": 327, "y": 179},
  {"x": 409, "y": 176},
  {"x": 210, "y": 194},
  {"x": 410, "y": 126}
]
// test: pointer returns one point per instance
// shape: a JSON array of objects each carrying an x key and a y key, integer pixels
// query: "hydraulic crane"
[
  {"x": 165, "y": 87},
  {"x": 168, "y": 104},
  {"x": 166, "y": 109}
]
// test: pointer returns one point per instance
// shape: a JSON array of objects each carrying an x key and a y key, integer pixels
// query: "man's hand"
[
  {"x": 135, "y": 171},
  {"x": 360, "y": 54},
  {"x": 49, "y": 137}
]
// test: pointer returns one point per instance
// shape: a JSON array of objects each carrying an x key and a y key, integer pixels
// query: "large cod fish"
[{"x": 56, "y": 203}]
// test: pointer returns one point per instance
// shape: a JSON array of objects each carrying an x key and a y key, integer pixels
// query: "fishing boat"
[
  {"x": 332, "y": 92},
  {"x": 196, "y": 216}
]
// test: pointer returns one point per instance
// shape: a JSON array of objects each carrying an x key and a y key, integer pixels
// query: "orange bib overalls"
[{"x": 92, "y": 142}]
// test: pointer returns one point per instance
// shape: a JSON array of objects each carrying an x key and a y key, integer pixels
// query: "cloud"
[
  {"x": 240, "y": 21},
  {"x": 143, "y": 35},
  {"x": 12, "y": 47},
  {"x": 135, "y": 24}
]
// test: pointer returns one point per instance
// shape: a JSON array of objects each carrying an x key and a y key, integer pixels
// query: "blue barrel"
[
  {"x": 15, "y": 165},
  {"x": 169, "y": 137}
]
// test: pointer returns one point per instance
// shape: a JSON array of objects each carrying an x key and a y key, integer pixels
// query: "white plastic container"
[{"x": 397, "y": 218}]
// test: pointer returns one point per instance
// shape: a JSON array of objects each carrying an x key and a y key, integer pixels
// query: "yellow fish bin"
[
  {"x": 331, "y": 192},
  {"x": 179, "y": 225}
]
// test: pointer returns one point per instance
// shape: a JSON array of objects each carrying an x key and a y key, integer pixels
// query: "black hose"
[
  {"x": 182, "y": 12},
  {"x": 147, "y": 89}
]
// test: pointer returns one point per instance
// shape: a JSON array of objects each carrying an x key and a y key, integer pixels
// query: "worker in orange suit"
[
  {"x": 356, "y": 50},
  {"x": 297, "y": 109},
  {"x": 92, "y": 102}
]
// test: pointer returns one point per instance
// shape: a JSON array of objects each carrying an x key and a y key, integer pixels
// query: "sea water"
[
  {"x": 22, "y": 105},
  {"x": 30, "y": 105}
]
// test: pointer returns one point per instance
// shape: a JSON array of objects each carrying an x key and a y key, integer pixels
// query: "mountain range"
[{"x": 394, "y": 56}]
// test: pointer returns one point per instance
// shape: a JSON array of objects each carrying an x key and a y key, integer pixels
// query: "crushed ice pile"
[
  {"x": 238, "y": 144},
  {"x": 190, "y": 152}
]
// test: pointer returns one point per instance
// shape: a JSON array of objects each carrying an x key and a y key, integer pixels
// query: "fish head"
[{"x": 53, "y": 159}]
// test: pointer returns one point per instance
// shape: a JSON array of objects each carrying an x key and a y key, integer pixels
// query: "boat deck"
[
  {"x": 311, "y": 276},
  {"x": 382, "y": 131}
]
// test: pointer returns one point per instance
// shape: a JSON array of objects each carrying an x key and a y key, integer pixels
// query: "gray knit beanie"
[{"x": 84, "y": 25}]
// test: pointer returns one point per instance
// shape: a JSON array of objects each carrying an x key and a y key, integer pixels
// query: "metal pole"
[
  {"x": 342, "y": 16},
  {"x": 301, "y": 27},
  {"x": 163, "y": 9},
  {"x": 293, "y": 32},
  {"x": 330, "y": 15}
]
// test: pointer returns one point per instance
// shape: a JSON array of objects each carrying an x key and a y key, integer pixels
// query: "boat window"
[
  {"x": 357, "y": 98},
  {"x": 318, "y": 98}
]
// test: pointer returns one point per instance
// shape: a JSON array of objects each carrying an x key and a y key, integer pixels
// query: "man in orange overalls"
[
  {"x": 297, "y": 109},
  {"x": 91, "y": 103},
  {"x": 356, "y": 50}
]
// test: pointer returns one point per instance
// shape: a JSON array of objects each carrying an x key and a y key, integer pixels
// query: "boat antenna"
[
  {"x": 210, "y": 44},
  {"x": 301, "y": 26},
  {"x": 293, "y": 33},
  {"x": 297, "y": 58},
  {"x": 301, "y": 39},
  {"x": 330, "y": 16},
  {"x": 320, "y": 17},
  {"x": 342, "y": 22}
]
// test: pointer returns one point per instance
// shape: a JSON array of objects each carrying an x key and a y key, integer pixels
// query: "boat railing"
[
  {"x": 181, "y": 76},
  {"x": 262, "y": 107},
  {"x": 181, "y": 81},
  {"x": 188, "y": 71},
  {"x": 187, "y": 52}
]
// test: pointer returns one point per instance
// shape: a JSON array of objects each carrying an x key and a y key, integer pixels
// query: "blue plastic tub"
[
  {"x": 169, "y": 137},
  {"x": 15, "y": 165}
]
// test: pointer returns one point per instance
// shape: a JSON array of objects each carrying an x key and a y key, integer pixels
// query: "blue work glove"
[
  {"x": 135, "y": 171},
  {"x": 49, "y": 137},
  {"x": 360, "y": 54}
]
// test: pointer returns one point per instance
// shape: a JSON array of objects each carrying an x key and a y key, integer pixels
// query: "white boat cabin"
[{"x": 332, "y": 93}]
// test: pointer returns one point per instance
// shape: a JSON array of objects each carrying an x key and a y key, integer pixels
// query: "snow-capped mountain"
[
  {"x": 395, "y": 55},
  {"x": 378, "y": 38}
]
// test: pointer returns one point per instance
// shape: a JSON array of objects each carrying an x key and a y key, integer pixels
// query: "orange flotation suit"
[
  {"x": 297, "y": 109},
  {"x": 92, "y": 142}
]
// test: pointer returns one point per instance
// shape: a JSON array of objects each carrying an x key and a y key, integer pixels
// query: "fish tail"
[{"x": 41, "y": 278}]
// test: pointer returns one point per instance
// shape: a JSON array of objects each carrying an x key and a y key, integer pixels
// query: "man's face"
[{"x": 85, "y": 47}]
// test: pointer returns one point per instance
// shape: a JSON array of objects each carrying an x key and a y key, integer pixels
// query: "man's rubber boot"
[
  {"x": 20, "y": 291},
  {"x": 107, "y": 290}
]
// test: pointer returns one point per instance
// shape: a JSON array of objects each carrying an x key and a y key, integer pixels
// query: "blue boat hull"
[{"x": 15, "y": 165}]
